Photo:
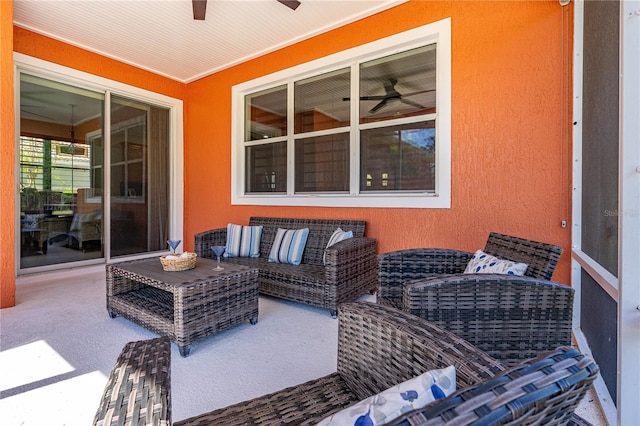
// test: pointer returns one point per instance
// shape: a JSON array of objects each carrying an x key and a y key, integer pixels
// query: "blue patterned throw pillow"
[
  {"x": 243, "y": 241},
  {"x": 483, "y": 263},
  {"x": 288, "y": 246},
  {"x": 397, "y": 400}
]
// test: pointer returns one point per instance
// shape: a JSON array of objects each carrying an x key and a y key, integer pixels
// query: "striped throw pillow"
[
  {"x": 243, "y": 241},
  {"x": 288, "y": 245},
  {"x": 338, "y": 235}
]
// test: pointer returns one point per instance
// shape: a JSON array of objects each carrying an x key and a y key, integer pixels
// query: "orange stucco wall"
[
  {"x": 510, "y": 165},
  {"x": 7, "y": 144},
  {"x": 510, "y": 147}
]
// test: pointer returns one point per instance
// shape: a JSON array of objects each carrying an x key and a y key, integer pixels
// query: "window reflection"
[
  {"x": 322, "y": 102},
  {"x": 399, "y": 85},
  {"x": 266, "y": 114},
  {"x": 398, "y": 158}
]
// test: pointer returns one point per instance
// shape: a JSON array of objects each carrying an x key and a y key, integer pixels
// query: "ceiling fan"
[
  {"x": 200, "y": 7},
  {"x": 392, "y": 95}
]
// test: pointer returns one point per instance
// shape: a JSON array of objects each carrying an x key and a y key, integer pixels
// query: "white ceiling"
[{"x": 161, "y": 35}]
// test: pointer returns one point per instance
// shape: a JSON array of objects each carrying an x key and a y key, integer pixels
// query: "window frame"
[{"x": 438, "y": 32}]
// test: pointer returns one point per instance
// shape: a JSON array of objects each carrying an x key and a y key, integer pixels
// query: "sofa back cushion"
[{"x": 320, "y": 231}]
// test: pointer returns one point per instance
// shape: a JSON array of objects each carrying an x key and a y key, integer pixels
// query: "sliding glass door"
[
  {"x": 139, "y": 171},
  {"x": 57, "y": 224},
  {"x": 93, "y": 175}
]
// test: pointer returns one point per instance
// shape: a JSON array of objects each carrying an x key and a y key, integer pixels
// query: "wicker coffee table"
[{"x": 186, "y": 305}]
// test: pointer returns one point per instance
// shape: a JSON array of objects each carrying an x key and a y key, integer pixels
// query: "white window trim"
[
  {"x": 50, "y": 70},
  {"x": 439, "y": 32}
]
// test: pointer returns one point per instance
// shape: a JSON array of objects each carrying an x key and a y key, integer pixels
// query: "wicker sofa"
[
  {"x": 325, "y": 278},
  {"x": 378, "y": 347}
]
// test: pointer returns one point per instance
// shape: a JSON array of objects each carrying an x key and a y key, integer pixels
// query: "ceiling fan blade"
[
  {"x": 413, "y": 104},
  {"x": 418, "y": 92},
  {"x": 199, "y": 9},
  {"x": 378, "y": 107},
  {"x": 369, "y": 98},
  {"x": 291, "y": 4}
]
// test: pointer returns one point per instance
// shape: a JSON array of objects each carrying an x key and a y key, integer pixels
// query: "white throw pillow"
[
  {"x": 288, "y": 246},
  {"x": 243, "y": 241},
  {"x": 392, "y": 403},
  {"x": 338, "y": 235},
  {"x": 483, "y": 263}
]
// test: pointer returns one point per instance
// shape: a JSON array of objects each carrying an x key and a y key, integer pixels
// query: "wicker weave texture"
[
  {"x": 397, "y": 267},
  {"x": 304, "y": 404},
  {"x": 138, "y": 390},
  {"x": 543, "y": 391},
  {"x": 351, "y": 267},
  {"x": 320, "y": 230},
  {"x": 511, "y": 319},
  {"x": 199, "y": 304},
  {"x": 542, "y": 258}
]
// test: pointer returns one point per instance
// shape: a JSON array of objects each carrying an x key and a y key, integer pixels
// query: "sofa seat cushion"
[
  {"x": 283, "y": 271},
  {"x": 305, "y": 404}
]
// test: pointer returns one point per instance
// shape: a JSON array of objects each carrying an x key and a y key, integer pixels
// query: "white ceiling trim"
[{"x": 160, "y": 36}]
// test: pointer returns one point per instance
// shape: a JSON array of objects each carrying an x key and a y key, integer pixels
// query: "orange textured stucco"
[
  {"x": 7, "y": 131},
  {"x": 510, "y": 165}
]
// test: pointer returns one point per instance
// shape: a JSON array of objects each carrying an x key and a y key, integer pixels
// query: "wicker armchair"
[
  {"x": 513, "y": 318},
  {"x": 378, "y": 347}
]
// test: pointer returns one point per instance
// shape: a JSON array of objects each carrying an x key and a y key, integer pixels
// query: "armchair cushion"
[
  {"x": 288, "y": 246},
  {"x": 81, "y": 218},
  {"x": 243, "y": 241},
  {"x": 399, "y": 399},
  {"x": 483, "y": 263},
  {"x": 32, "y": 221}
]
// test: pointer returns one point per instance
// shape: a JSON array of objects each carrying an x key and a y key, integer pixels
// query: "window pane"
[
  {"x": 399, "y": 85},
  {"x": 267, "y": 114},
  {"x": 322, "y": 163},
  {"x": 266, "y": 168},
  {"x": 398, "y": 158},
  {"x": 322, "y": 102}
]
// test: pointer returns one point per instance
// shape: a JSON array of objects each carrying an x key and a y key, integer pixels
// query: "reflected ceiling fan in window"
[
  {"x": 392, "y": 95},
  {"x": 200, "y": 7}
]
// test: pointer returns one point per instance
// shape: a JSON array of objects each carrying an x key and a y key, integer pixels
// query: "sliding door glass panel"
[
  {"x": 139, "y": 171},
  {"x": 61, "y": 209}
]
